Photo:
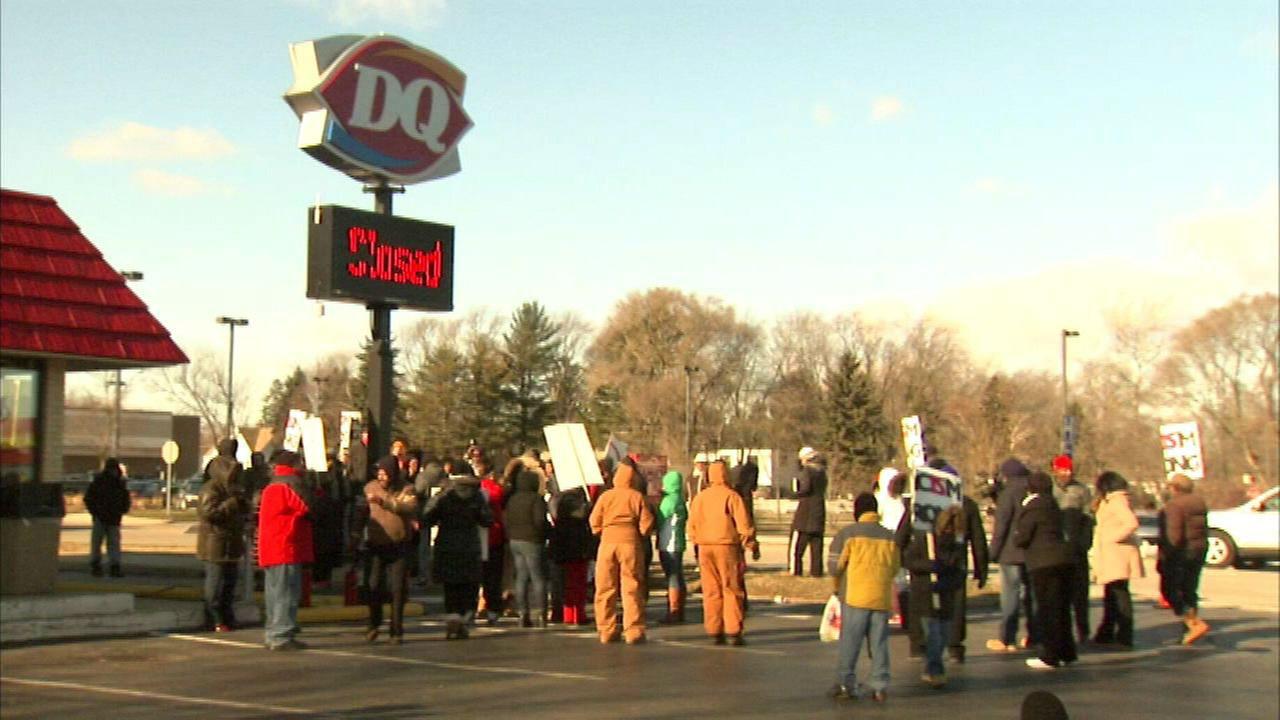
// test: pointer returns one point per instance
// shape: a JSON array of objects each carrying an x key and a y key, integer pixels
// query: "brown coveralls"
[
  {"x": 721, "y": 527},
  {"x": 622, "y": 519}
]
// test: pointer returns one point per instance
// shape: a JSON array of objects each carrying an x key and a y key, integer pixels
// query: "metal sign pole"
[{"x": 379, "y": 394}]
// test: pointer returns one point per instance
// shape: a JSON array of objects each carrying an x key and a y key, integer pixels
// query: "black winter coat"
[
  {"x": 458, "y": 512},
  {"x": 1039, "y": 534},
  {"x": 224, "y": 505},
  {"x": 1008, "y": 509},
  {"x": 107, "y": 498},
  {"x": 526, "y": 511},
  {"x": 811, "y": 511},
  {"x": 571, "y": 537}
]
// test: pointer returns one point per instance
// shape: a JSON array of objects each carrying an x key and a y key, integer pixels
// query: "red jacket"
[
  {"x": 497, "y": 531},
  {"x": 284, "y": 523}
]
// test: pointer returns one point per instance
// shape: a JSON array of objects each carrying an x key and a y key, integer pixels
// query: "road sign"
[{"x": 169, "y": 452}]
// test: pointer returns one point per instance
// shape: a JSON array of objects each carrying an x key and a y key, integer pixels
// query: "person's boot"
[
  {"x": 95, "y": 569},
  {"x": 525, "y": 620},
  {"x": 1196, "y": 628},
  {"x": 681, "y": 596},
  {"x": 673, "y": 608},
  {"x": 115, "y": 570}
]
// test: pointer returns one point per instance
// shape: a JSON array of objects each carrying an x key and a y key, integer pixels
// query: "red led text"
[{"x": 388, "y": 263}]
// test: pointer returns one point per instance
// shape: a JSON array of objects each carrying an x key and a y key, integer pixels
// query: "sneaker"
[
  {"x": 371, "y": 635},
  {"x": 288, "y": 646},
  {"x": 934, "y": 681},
  {"x": 222, "y": 628},
  {"x": 1038, "y": 664},
  {"x": 878, "y": 696},
  {"x": 491, "y": 617},
  {"x": 606, "y": 639},
  {"x": 736, "y": 640},
  {"x": 840, "y": 693},
  {"x": 1195, "y": 633},
  {"x": 717, "y": 639},
  {"x": 96, "y": 571},
  {"x": 998, "y": 646},
  {"x": 637, "y": 640}
]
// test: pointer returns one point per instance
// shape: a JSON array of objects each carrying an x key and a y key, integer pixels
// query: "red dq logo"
[{"x": 379, "y": 107}]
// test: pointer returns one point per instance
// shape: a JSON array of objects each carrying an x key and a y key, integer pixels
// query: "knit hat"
[
  {"x": 1062, "y": 462},
  {"x": 1012, "y": 468},
  {"x": 285, "y": 458},
  {"x": 389, "y": 464},
  {"x": 864, "y": 503}
]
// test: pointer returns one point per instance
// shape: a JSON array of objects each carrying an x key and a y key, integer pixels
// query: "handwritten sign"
[
  {"x": 1182, "y": 449},
  {"x": 913, "y": 441},
  {"x": 932, "y": 492},
  {"x": 293, "y": 430}
]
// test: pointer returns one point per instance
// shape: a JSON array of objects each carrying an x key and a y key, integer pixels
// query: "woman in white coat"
[{"x": 1117, "y": 559}]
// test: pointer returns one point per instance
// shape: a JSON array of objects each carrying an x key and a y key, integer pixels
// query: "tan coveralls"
[
  {"x": 721, "y": 527},
  {"x": 622, "y": 519}
]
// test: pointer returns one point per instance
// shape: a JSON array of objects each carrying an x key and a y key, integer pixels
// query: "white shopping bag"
[{"x": 829, "y": 628}]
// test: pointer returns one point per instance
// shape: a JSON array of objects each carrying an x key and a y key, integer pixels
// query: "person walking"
[
  {"x": 973, "y": 536},
  {"x": 1048, "y": 559},
  {"x": 220, "y": 542},
  {"x": 1186, "y": 531},
  {"x": 1015, "y": 589},
  {"x": 721, "y": 528},
  {"x": 622, "y": 519},
  {"x": 526, "y": 516},
  {"x": 284, "y": 545},
  {"x": 1078, "y": 526},
  {"x": 495, "y": 560},
  {"x": 864, "y": 563},
  {"x": 383, "y": 530},
  {"x": 935, "y": 560},
  {"x": 673, "y": 514},
  {"x": 460, "y": 513},
  {"x": 809, "y": 523},
  {"x": 572, "y": 547},
  {"x": 1118, "y": 559},
  {"x": 107, "y": 500}
]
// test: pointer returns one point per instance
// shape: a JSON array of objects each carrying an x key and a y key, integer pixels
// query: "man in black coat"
[
  {"x": 810, "y": 521},
  {"x": 1015, "y": 590},
  {"x": 107, "y": 500},
  {"x": 224, "y": 507}
]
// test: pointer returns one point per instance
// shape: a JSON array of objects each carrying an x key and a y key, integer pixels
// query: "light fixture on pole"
[
  {"x": 232, "y": 324},
  {"x": 118, "y": 381},
  {"x": 1068, "y": 424}
]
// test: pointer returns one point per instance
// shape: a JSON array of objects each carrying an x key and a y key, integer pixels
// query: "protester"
[
  {"x": 622, "y": 519},
  {"x": 383, "y": 516},
  {"x": 572, "y": 546},
  {"x": 107, "y": 500},
  {"x": 459, "y": 512},
  {"x": 973, "y": 535},
  {"x": 721, "y": 528},
  {"x": 810, "y": 520},
  {"x": 673, "y": 513},
  {"x": 220, "y": 542},
  {"x": 495, "y": 560},
  {"x": 1048, "y": 559},
  {"x": 746, "y": 479},
  {"x": 1186, "y": 529},
  {"x": 935, "y": 559},
  {"x": 864, "y": 562},
  {"x": 1015, "y": 590},
  {"x": 1077, "y": 525},
  {"x": 887, "y": 488},
  {"x": 1118, "y": 559},
  {"x": 429, "y": 480},
  {"x": 284, "y": 546},
  {"x": 526, "y": 519}
]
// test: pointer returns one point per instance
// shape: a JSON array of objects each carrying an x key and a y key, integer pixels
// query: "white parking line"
[
  {"x": 152, "y": 695},
  {"x": 492, "y": 669},
  {"x": 684, "y": 644}
]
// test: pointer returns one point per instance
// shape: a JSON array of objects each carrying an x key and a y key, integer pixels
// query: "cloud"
[
  {"x": 823, "y": 115},
  {"x": 1238, "y": 245},
  {"x": 135, "y": 141},
  {"x": 159, "y": 182},
  {"x": 414, "y": 13},
  {"x": 886, "y": 107}
]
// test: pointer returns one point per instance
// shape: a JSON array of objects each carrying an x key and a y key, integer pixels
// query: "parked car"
[
  {"x": 1148, "y": 531},
  {"x": 1248, "y": 532},
  {"x": 145, "y": 489},
  {"x": 188, "y": 493}
]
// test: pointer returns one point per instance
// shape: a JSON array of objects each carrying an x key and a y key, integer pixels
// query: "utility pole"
[
  {"x": 232, "y": 324},
  {"x": 689, "y": 370},
  {"x": 118, "y": 382},
  {"x": 1068, "y": 425}
]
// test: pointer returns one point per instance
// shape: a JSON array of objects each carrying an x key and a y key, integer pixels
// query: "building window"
[{"x": 19, "y": 423}]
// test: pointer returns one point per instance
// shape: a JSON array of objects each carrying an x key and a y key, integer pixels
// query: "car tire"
[{"x": 1222, "y": 550}]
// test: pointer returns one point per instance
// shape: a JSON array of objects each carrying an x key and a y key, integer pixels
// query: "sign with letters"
[
  {"x": 378, "y": 107},
  {"x": 913, "y": 441},
  {"x": 932, "y": 492},
  {"x": 1183, "y": 452}
]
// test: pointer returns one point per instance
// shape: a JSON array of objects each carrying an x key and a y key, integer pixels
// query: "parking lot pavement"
[{"x": 783, "y": 672}]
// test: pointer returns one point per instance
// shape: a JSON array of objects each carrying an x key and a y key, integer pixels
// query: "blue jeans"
[
  {"x": 112, "y": 534},
  {"x": 220, "y": 592},
  {"x": 530, "y": 585},
  {"x": 1015, "y": 597},
  {"x": 936, "y": 632},
  {"x": 282, "y": 591},
  {"x": 856, "y": 624},
  {"x": 673, "y": 568}
]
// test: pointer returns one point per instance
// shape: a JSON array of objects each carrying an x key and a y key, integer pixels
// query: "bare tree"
[{"x": 200, "y": 388}]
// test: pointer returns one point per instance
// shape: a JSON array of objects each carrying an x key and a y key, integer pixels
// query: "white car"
[{"x": 1248, "y": 532}]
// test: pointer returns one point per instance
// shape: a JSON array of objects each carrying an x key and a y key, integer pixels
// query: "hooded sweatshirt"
[
  {"x": 718, "y": 516},
  {"x": 672, "y": 514},
  {"x": 621, "y": 514},
  {"x": 526, "y": 512},
  {"x": 284, "y": 521}
]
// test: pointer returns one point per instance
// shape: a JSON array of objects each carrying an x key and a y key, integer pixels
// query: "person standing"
[
  {"x": 1076, "y": 504},
  {"x": 284, "y": 546},
  {"x": 572, "y": 547},
  {"x": 107, "y": 500},
  {"x": 935, "y": 559},
  {"x": 974, "y": 536},
  {"x": 1015, "y": 589},
  {"x": 526, "y": 517},
  {"x": 1118, "y": 559},
  {"x": 1048, "y": 560},
  {"x": 622, "y": 519},
  {"x": 384, "y": 516},
  {"x": 460, "y": 512},
  {"x": 494, "y": 563},
  {"x": 864, "y": 562},
  {"x": 220, "y": 544},
  {"x": 810, "y": 520},
  {"x": 721, "y": 528},
  {"x": 1186, "y": 530},
  {"x": 673, "y": 514}
]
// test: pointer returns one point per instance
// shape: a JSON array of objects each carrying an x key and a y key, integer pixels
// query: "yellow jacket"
[{"x": 868, "y": 561}]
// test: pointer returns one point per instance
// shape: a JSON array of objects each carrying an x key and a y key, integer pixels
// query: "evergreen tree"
[
  {"x": 857, "y": 431},
  {"x": 284, "y": 394},
  {"x": 529, "y": 349},
  {"x": 357, "y": 387},
  {"x": 435, "y": 407},
  {"x": 483, "y": 379}
]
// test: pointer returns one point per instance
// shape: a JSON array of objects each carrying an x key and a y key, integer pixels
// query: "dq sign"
[{"x": 378, "y": 108}]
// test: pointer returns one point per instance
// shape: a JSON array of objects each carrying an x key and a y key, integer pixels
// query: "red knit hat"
[{"x": 1062, "y": 462}]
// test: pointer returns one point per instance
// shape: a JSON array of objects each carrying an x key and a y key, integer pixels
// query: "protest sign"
[
  {"x": 293, "y": 430},
  {"x": 1182, "y": 450},
  {"x": 913, "y": 441},
  {"x": 573, "y": 456},
  {"x": 932, "y": 491},
  {"x": 313, "y": 444}
]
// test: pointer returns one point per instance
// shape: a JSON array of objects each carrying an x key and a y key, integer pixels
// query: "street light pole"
[
  {"x": 231, "y": 324},
  {"x": 1066, "y": 415},
  {"x": 118, "y": 382},
  {"x": 689, "y": 370}
]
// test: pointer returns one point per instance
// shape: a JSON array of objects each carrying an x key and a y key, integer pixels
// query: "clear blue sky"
[{"x": 829, "y": 156}]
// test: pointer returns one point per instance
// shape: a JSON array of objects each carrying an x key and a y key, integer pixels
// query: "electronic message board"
[{"x": 371, "y": 258}]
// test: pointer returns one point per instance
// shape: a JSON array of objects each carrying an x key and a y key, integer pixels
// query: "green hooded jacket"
[{"x": 672, "y": 514}]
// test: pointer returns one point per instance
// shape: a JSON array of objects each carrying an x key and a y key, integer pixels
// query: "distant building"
[{"x": 86, "y": 441}]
